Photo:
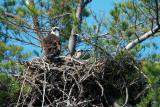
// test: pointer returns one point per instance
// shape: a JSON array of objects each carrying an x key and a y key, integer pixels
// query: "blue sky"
[
  {"x": 98, "y": 6},
  {"x": 107, "y": 5}
]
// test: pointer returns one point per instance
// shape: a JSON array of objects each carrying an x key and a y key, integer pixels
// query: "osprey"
[
  {"x": 79, "y": 53},
  {"x": 52, "y": 43}
]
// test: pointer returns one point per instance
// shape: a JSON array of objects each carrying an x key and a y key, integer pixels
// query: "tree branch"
[
  {"x": 127, "y": 95},
  {"x": 157, "y": 15},
  {"x": 90, "y": 43},
  {"x": 38, "y": 33},
  {"x": 36, "y": 25},
  {"x": 107, "y": 33},
  {"x": 91, "y": 38},
  {"x": 22, "y": 20},
  {"x": 22, "y": 41},
  {"x": 86, "y": 2},
  {"x": 142, "y": 38}
]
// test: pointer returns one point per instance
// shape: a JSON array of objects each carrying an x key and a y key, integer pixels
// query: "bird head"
[
  {"x": 55, "y": 31},
  {"x": 79, "y": 53}
]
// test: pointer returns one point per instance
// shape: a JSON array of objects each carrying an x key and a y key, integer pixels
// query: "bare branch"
[
  {"x": 157, "y": 15},
  {"x": 22, "y": 41},
  {"x": 90, "y": 43},
  {"x": 107, "y": 33},
  {"x": 91, "y": 38},
  {"x": 125, "y": 84},
  {"x": 143, "y": 92},
  {"x": 142, "y": 38},
  {"x": 86, "y": 2}
]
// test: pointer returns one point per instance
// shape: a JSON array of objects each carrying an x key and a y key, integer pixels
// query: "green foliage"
[
  {"x": 86, "y": 56},
  {"x": 15, "y": 49},
  {"x": 86, "y": 13},
  {"x": 115, "y": 13},
  {"x": 121, "y": 100},
  {"x": 94, "y": 27},
  {"x": 146, "y": 30},
  {"x": 113, "y": 29},
  {"x": 26, "y": 89},
  {"x": 129, "y": 5},
  {"x": 36, "y": 53},
  {"x": 133, "y": 52},
  {"x": 3, "y": 48},
  {"x": 114, "y": 42},
  {"x": 154, "y": 45},
  {"x": 10, "y": 3},
  {"x": 1, "y": 10},
  {"x": 20, "y": 13},
  {"x": 148, "y": 45},
  {"x": 10, "y": 95},
  {"x": 11, "y": 56},
  {"x": 92, "y": 60},
  {"x": 124, "y": 25},
  {"x": 126, "y": 15},
  {"x": 152, "y": 70},
  {"x": 21, "y": 68},
  {"x": 13, "y": 88},
  {"x": 12, "y": 63},
  {"x": 154, "y": 56},
  {"x": 26, "y": 55}
]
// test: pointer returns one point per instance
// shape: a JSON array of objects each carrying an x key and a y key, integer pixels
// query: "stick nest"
[{"x": 69, "y": 82}]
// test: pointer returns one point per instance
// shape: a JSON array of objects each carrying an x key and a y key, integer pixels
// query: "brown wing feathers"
[{"x": 51, "y": 45}]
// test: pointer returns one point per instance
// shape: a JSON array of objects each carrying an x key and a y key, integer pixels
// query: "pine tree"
[
  {"x": 11, "y": 62},
  {"x": 124, "y": 70}
]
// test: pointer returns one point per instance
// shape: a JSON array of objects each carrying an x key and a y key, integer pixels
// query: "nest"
[
  {"x": 60, "y": 82},
  {"x": 70, "y": 82}
]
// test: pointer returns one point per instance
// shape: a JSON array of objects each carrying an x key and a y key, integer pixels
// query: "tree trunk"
[{"x": 73, "y": 37}]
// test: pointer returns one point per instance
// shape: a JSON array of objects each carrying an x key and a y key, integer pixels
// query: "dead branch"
[
  {"x": 142, "y": 38},
  {"x": 22, "y": 41}
]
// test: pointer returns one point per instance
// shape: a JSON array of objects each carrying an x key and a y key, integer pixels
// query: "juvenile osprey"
[
  {"x": 79, "y": 53},
  {"x": 52, "y": 43}
]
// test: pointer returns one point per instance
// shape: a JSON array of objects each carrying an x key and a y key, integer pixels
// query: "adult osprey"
[{"x": 52, "y": 43}]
